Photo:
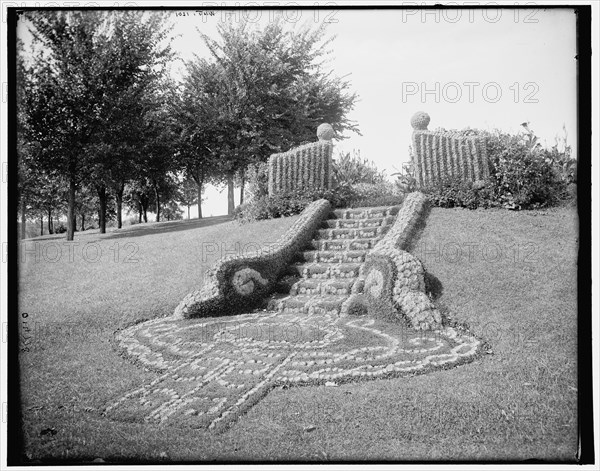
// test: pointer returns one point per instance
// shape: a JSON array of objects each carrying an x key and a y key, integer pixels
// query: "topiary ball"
[
  {"x": 325, "y": 132},
  {"x": 420, "y": 120}
]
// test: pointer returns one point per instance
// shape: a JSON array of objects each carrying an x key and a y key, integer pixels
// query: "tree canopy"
[{"x": 101, "y": 119}]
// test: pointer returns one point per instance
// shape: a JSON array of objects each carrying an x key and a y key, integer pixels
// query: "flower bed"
[
  {"x": 394, "y": 279},
  {"x": 237, "y": 284},
  {"x": 211, "y": 371}
]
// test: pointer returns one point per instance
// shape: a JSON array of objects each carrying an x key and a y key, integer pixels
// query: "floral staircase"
[
  {"x": 325, "y": 275},
  {"x": 327, "y": 324}
]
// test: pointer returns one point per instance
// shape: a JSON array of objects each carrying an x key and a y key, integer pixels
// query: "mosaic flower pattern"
[{"x": 209, "y": 371}]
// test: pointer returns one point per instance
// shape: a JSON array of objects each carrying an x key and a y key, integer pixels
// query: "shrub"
[
  {"x": 405, "y": 179},
  {"x": 524, "y": 179},
  {"x": 523, "y": 175},
  {"x": 351, "y": 169},
  {"x": 257, "y": 177},
  {"x": 289, "y": 204},
  {"x": 453, "y": 192}
]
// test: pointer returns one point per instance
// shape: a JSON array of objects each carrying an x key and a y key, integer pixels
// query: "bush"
[
  {"x": 289, "y": 204},
  {"x": 350, "y": 169},
  {"x": 523, "y": 175},
  {"x": 525, "y": 179},
  {"x": 257, "y": 178},
  {"x": 453, "y": 192},
  {"x": 60, "y": 229}
]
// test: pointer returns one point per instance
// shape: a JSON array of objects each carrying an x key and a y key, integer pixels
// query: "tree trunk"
[
  {"x": 24, "y": 219},
  {"x": 102, "y": 209},
  {"x": 143, "y": 202},
  {"x": 200, "y": 200},
  {"x": 243, "y": 180},
  {"x": 82, "y": 222},
  {"x": 157, "y": 198},
  {"x": 71, "y": 211},
  {"x": 140, "y": 210},
  {"x": 230, "y": 199},
  {"x": 119, "y": 198},
  {"x": 188, "y": 207},
  {"x": 50, "y": 225},
  {"x": 41, "y": 225},
  {"x": 200, "y": 182},
  {"x": 145, "y": 211}
]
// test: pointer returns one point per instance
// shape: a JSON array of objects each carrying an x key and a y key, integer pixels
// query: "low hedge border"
[
  {"x": 239, "y": 283},
  {"x": 394, "y": 279}
]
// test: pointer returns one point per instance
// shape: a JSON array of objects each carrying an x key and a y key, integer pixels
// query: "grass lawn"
[{"x": 511, "y": 276}]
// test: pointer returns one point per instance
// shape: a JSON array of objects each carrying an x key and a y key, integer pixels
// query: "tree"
[
  {"x": 86, "y": 206},
  {"x": 187, "y": 194},
  {"x": 60, "y": 113},
  {"x": 274, "y": 93},
  {"x": 138, "y": 196},
  {"x": 85, "y": 103},
  {"x": 196, "y": 111},
  {"x": 135, "y": 56},
  {"x": 157, "y": 162},
  {"x": 171, "y": 211}
]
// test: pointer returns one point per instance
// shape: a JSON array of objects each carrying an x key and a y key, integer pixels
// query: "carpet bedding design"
[
  {"x": 318, "y": 328},
  {"x": 210, "y": 371}
]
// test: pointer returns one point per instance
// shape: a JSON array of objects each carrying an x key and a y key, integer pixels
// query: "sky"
[
  {"x": 487, "y": 69},
  {"x": 474, "y": 68}
]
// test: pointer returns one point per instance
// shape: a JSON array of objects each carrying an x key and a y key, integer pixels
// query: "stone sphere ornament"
[
  {"x": 325, "y": 132},
  {"x": 420, "y": 121}
]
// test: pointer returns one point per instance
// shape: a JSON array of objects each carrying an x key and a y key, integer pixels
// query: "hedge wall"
[
  {"x": 308, "y": 167},
  {"x": 437, "y": 155}
]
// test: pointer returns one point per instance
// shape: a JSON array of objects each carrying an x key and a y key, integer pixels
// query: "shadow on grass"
[
  {"x": 433, "y": 286},
  {"x": 163, "y": 227}
]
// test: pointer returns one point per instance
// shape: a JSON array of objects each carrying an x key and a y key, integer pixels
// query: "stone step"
[
  {"x": 331, "y": 256},
  {"x": 324, "y": 270},
  {"x": 323, "y": 287},
  {"x": 343, "y": 244},
  {"x": 357, "y": 223},
  {"x": 365, "y": 213},
  {"x": 361, "y": 233},
  {"x": 307, "y": 304}
]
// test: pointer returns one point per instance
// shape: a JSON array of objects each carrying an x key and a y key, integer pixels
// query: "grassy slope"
[{"x": 517, "y": 403}]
